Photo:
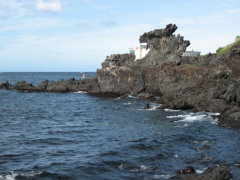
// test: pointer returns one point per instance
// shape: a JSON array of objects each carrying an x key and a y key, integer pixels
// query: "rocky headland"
[{"x": 204, "y": 83}]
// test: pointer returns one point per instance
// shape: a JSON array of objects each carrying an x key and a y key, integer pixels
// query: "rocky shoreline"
[{"x": 204, "y": 83}]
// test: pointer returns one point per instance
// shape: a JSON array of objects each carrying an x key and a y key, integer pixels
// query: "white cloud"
[
  {"x": 52, "y": 7},
  {"x": 5, "y": 15},
  {"x": 233, "y": 11}
]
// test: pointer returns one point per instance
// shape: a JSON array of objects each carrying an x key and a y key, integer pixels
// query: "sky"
[{"x": 77, "y": 35}]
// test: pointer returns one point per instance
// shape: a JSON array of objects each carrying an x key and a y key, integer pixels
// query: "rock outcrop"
[
  {"x": 204, "y": 83},
  {"x": 163, "y": 45},
  {"x": 119, "y": 60},
  {"x": 71, "y": 85},
  {"x": 220, "y": 173}
]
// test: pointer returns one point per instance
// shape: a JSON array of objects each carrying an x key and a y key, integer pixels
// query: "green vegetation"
[
  {"x": 227, "y": 48},
  {"x": 206, "y": 55},
  {"x": 188, "y": 65}
]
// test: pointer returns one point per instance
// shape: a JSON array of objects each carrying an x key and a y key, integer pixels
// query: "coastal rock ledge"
[{"x": 203, "y": 83}]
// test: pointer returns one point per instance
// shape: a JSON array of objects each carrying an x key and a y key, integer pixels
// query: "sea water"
[{"x": 45, "y": 136}]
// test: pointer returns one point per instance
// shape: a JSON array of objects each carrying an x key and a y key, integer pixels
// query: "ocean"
[{"x": 77, "y": 136}]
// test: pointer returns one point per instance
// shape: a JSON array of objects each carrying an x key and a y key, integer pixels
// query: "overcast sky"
[{"x": 77, "y": 35}]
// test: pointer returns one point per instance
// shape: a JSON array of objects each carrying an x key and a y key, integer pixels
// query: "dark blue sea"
[{"x": 77, "y": 136}]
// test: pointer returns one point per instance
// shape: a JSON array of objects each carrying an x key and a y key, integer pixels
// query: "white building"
[
  {"x": 190, "y": 52},
  {"x": 139, "y": 51}
]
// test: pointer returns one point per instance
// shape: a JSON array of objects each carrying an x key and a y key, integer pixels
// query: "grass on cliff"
[{"x": 225, "y": 49}]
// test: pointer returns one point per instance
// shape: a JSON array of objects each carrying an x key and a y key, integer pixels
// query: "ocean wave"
[
  {"x": 153, "y": 107},
  {"x": 162, "y": 176},
  {"x": 171, "y": 110},
  {"x": 12, "y": 176},
  {"x": 193, "y": 117},
  {"x": 80, "y": 92}
]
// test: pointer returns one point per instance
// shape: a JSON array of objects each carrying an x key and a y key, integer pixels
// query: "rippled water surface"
[{"x": 79, "y": 136}]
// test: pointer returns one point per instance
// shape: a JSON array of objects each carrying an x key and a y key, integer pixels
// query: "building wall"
[{"x": 191, "y": 53}]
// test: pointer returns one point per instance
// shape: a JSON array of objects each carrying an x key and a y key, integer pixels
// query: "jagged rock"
[
  {"x": 119, "y": 60},
  {"x": 187, "y": 170},
  {"x": 163, "y": 45},
  {"x": 193, "y": 60},
  {"x": 147, "y": 106},
  {"x": 5, "y": 85},
  {"x": 205, "y": 147},
  {"x": 220, "y": 173},
  {"x": 124, "y": 96}
]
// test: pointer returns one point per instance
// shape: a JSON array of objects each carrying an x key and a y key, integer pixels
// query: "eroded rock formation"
[{"x": 163, "y": 45}]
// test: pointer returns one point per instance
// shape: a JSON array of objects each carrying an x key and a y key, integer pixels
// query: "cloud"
[
  {"x": 52, "y": 7},
  {"x": 109, "y": 24},
  {"x": 5, "y": 15},
  {"x": 233, "y": 11}
]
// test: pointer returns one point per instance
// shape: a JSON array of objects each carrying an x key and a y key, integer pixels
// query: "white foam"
[
  {"x": 162, "y": 176},
  {"x": 213, "y": 114},
  {"x": 178, "y": 116},
  {"x": 186, "y": 125},
  {"x": 153, "y": 107},
  {"x": 80, "y": 92},
  {"x": 208, "y": 158},
  {"x": 121, "y": 166},
  {"x": 171, "y": 110},
  {"x": 176, "y": 156},
  {"x": 143, "y": 168},
  {"x": 199, "y": 171},
  {"x": 127, "y": 103},
  {"x": 12, "y": 176},
  {"x": 129, "y": 96}
]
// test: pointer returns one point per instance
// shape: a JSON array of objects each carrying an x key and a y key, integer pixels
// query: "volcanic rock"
[
  {"x": 220, "y": 173},
  {"x": 187, "y": 170}
]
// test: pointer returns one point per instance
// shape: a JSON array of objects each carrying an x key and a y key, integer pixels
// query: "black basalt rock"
[
  {"x": 220, "y": 173},
  {"x": 5, "y": 85},
  {"x": 163, "y": 45},
  {"x": 147, "y": 106},
  {"x": 187, "y": 170}
]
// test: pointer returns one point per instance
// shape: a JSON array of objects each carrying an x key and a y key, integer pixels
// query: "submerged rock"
[
  {"x": 147, "y": 106},
  {"x": 187, "y": 170},
  {"x": 220, "y": 173}
]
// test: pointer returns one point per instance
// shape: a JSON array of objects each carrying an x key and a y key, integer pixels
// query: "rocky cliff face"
[{"x": 119, "y": 60}]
